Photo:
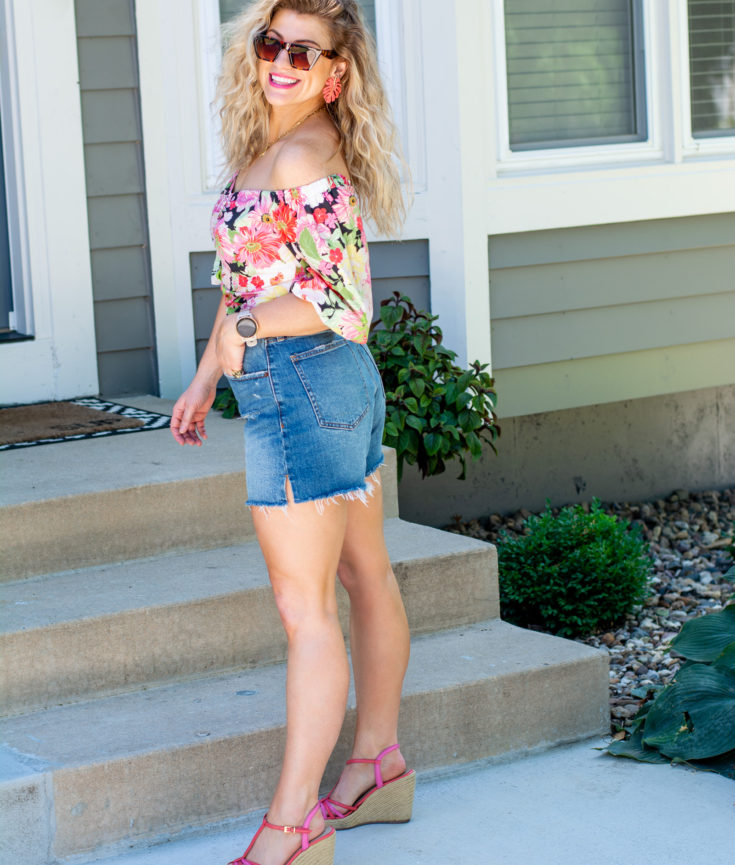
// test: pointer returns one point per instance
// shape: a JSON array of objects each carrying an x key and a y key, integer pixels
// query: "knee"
[
  {"x": 301, "y": 612},
  {"x": 364, "y": 575}
]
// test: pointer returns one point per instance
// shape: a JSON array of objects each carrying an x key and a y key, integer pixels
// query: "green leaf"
[
  {"x": 726, "y": 659},
  {"x": 418, "y": 386},
  {"x": 704, "y": 638},
  {"x": 636, "y": 750},
  {"x": 412, "y": 405},
  {"x": 432, "y": 443},
  {"x": 694, "y": 717},
  {"x": 415, "y": 422},
  {"x": 308, "y": 245},
  {"x": 391, "y": 428}
]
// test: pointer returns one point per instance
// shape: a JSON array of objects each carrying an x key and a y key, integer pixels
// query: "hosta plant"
[{"x": 692, "y": 719}]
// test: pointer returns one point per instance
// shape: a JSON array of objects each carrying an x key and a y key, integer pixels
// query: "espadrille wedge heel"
[
  {"x": 386, "y": 802},
  {"x": 319, "y": 851}
]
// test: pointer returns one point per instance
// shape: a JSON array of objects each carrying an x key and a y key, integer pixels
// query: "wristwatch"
[{"x": 247, "y": 327}]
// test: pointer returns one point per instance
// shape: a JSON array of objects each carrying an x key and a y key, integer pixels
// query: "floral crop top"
[{"x": 308, "y": 240}]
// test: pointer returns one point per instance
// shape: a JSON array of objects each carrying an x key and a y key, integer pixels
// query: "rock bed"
[{"x": 690, "y": 536}]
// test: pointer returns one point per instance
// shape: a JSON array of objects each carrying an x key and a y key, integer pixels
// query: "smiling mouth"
[{"x": 282, "y": 81}]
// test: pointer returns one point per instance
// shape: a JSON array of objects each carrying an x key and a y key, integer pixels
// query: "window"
[
  {"x": 575, "y": 73},
  {"x": 712, "y": 67},
  {"x": 6, "y": 285},
  {"x": 229, "y": 8}
]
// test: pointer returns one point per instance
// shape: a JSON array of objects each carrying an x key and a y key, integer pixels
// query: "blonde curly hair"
[{"x": 361, "y": 114}]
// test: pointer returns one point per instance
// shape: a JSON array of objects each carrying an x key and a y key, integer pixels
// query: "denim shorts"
[{"x": 314, "y": 409}]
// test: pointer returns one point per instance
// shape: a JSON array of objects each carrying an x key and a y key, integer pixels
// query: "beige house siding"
[
  {"x": 118, "y": 234},
  {"x": 588, "y": 315}
]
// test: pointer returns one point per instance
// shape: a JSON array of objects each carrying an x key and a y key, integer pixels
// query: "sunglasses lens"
[
  {"x": 267, "y": 48},
  {"x": 301, "y": 57}
]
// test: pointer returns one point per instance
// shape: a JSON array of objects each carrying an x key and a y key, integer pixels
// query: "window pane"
[
  {"x": 712, "y": 67},
  {"x": 575, "y": 72},
  {"x": 230, "y": 8}
]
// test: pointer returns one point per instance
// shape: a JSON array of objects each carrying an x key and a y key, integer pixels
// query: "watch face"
[{"x": 246, "y": 327}]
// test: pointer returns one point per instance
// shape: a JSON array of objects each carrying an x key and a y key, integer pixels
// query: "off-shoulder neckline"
[{"x": 233, "y": 191}]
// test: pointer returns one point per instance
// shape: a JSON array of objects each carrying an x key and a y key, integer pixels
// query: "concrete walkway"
[{"x": 570, "y": 805}]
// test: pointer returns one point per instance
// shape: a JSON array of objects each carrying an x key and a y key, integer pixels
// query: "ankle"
[{"x": 287, "y": 814}]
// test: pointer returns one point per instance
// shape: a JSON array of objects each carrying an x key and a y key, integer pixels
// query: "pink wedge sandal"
[
  {"x": 319, "y": 851},
  {"x": 386, "y": 802}
]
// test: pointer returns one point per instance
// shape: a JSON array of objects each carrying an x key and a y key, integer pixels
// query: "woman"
[{"x": 308, "y": 137}]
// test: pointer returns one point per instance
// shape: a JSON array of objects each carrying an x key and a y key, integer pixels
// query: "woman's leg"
[
  {"x": 379, "y": 645},
  {"x": 301, "y": 549}
]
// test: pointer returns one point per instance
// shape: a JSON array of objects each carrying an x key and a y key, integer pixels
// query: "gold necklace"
[{"x": 290, "y": 130}]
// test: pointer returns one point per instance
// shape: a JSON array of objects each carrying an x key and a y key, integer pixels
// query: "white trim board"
[{"x": 49, "y": 206}]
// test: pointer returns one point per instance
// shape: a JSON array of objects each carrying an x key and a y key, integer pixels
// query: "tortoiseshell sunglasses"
[{"x": 300, "y": 56}]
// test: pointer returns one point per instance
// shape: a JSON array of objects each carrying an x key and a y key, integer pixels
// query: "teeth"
[{"x": 280, "y": 80}]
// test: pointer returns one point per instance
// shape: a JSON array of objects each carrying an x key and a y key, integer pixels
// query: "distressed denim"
[{"x": 314, "y": 410}]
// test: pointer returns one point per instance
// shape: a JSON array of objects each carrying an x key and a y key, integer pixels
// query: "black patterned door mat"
[{"x": 84, "y": 418}]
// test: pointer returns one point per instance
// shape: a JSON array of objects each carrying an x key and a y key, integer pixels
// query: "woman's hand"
[
  {"x": 187, "y": 421},
  {"x": 230, "y": 346}
]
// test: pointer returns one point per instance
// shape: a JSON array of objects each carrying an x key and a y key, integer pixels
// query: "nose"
[{"x": 282, "y": 59}]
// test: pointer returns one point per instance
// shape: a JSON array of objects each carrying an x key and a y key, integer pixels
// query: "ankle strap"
[
  {"x": 376, "y": 763},
  {"x": 292, "y": 830}
]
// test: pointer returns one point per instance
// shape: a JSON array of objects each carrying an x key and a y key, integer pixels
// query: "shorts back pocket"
[{"x": 335, "y": 383}]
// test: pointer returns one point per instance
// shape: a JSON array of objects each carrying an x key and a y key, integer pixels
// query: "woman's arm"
[
  {"x": 187, "y": 421},
  {"x": 284, "y": 316}
]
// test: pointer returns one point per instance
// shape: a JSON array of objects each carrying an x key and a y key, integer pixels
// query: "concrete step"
[
  {"x": 153, "y": 763},
  {"x": 91, "y": 632},
  {"x": 87, "y": 502}
]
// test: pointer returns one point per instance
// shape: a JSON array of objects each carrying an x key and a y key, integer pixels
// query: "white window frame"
[
  {"x": 47, "y": 205},
  {"x": 400, "y": 67},
  {"x": 21, "y": 317},
  {"x": 649, "y": 150},
  {"x": 692, "y": 148}
]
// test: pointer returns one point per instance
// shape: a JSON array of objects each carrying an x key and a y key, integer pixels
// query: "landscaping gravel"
[{"x": 690, "y": 536}]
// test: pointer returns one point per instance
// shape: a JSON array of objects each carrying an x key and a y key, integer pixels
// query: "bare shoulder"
[{"x": 310, "y": 154}]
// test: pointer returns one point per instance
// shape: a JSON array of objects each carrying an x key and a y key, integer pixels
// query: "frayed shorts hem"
[{"x": 359, "y": 493}]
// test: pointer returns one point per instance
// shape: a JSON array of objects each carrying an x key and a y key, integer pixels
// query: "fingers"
[{"x": 184, "y": 428}]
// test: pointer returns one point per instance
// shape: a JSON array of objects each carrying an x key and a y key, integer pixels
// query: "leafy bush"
[
  {"x": 572, "y": 574},
  {"x": 226, "y": 403},
  {"x": 435, "y": 410},
  {"x": 693, "y": 717}
]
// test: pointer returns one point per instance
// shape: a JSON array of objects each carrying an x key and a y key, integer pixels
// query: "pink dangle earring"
[{"x": 332, "y": 89}]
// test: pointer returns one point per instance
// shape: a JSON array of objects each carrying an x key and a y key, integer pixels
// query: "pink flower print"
[
  {"x": 294, "y": 197},
  {"x": 335, "y": 255},
  {"x": 285, "y": 223},
  {"x": 345, "y": 205},
  {"x": 320, "y": 215},
  {"x": 242, "y": 280},
  {"x": 227, "y": 249},
  {"x": 259, "y": 245},
  {"x": 309, "y": 287},
  {"x": 245, "y": 199},
  {"x": 354, "y": 326},
  {"x": 257, "y": 282}
]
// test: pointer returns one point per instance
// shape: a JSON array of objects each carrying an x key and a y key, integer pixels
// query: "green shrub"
[
  {"x": 573, "y": 574},
  {"x": 435, "y": 410},
  {"x": 226, "y": 403},
  {"x": 692, "y": 719}
]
